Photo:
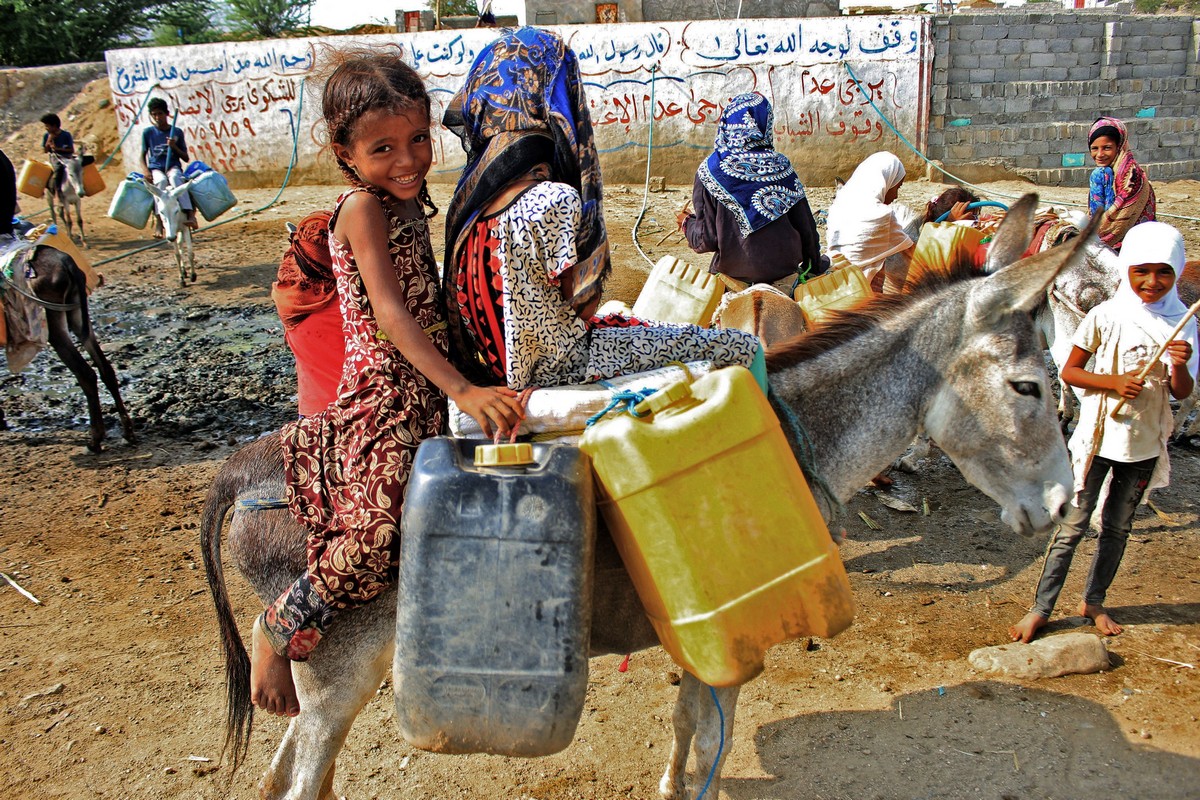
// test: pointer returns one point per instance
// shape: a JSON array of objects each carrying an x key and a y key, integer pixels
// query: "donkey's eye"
[{"x": 1026, "y": 388}]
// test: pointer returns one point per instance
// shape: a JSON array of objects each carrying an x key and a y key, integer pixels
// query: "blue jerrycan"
[{"x": 495, "y": 595}]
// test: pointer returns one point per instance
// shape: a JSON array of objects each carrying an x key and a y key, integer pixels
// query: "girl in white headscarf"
[
  {"x": 1123, "y": 334},
  {"x": 863, "y": 228}
]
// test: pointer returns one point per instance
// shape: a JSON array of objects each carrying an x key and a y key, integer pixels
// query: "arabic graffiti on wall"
[{"x": 247, "y": 106}]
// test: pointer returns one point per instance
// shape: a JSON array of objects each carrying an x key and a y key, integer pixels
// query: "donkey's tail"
[{"x": 243, "y": 470}]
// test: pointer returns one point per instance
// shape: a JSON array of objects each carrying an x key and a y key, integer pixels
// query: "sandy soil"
[{"x": 112, "y": 687}]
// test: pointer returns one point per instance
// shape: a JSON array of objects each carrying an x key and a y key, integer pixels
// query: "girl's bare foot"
[
  {"x": 1100, "y": 618},
  {"x": 271, "y": 686},
  {"x": 1027, "y": 628}
]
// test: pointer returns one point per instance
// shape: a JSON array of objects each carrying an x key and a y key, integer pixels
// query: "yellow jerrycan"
[
  {"x": 93, "y": 181},
  {"x": 679, "y": 292},
  {"x": 836, "y": 290},
  {"x": 716, "y": 525},
  {"x": 33, "y": 178}
]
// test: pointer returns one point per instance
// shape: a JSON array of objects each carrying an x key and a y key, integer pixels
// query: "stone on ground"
[{"x": 1048, "y": 657}]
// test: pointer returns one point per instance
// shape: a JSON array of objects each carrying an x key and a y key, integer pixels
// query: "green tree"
[
  {"x": 268, "y": 18},
  {"x": 40, "y": 32},
  {"x": 186, "y": 22},
  {"x": 455, "y": 8}
]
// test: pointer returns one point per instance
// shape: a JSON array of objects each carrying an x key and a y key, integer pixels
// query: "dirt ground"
[{"x": 113, "y": 685}]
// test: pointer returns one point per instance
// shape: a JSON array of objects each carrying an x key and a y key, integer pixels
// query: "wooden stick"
[
  {"x": 17, "y": 586},
  {"x": 1191, "y": 312}
]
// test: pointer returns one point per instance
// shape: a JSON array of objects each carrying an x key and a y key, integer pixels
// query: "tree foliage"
[
  {"x": 268, "y": 18},
  {"x": 186, "y": 22},
  {"x": 40, "y": 32},
  {"x": 456, "y": 8}
]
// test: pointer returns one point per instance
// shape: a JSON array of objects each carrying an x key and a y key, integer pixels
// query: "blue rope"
[
  {"x": 626, "y": 397},
  {"x": 972, "y": 207},
  {"x": 129, "y": 130},
  {"x": 720, "y": 746},
  {"x": 804, "y": 453}
]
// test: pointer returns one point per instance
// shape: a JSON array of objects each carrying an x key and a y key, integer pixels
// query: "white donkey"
[
  {"x": 958, "y": 357},
  {"x": 67, "y": 194},
  {"x": 173, "y": 220}
]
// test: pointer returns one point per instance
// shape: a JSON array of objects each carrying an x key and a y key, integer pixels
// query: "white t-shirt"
[{"x": 1141, "y": 429}]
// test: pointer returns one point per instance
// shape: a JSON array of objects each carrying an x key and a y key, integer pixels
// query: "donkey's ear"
[
  {"x": 1022, "y": 286},
  {"x": 1014, "y": 236}
]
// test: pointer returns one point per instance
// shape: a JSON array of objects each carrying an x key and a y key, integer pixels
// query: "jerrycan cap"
[
  {"x": 666, "y": 396},
  {"x": 515, "y": 454}
]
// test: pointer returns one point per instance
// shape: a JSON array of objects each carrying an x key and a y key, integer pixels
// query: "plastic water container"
[
  {"x": 494, "y": 603},
  {"x": 93, "y": 183},
  {"x": 835, "y": 290},
  {"x": 716, "y": 525},
  {"x": 33, "y": 178},
  {"x": 679, "y": 292},
  {"x": 131, "y": 203},
  {"x": 211, "y": 195}
]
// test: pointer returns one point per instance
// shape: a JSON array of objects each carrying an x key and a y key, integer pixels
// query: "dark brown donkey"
[{"x": 59, "y": 286}]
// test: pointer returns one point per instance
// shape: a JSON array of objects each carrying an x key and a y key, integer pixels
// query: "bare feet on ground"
[
  {"x": 271, "y": 686},
  {"x": 1027, "y": 628},
  {"x": 1100, "y": 618}
]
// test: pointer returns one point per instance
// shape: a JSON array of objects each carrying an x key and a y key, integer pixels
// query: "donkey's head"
[
  {"x": 166, "y": 205},
  {"x": 994, "y": 413},
  {"x": 72, "y": 187}
]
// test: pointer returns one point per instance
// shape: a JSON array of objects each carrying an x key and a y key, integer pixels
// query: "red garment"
[
  {"x": 305, "y": 295},
  {"x": 319, "y": 346}
]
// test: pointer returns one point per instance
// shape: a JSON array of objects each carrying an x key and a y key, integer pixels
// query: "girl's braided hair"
[{"x": 363, "y": 80}]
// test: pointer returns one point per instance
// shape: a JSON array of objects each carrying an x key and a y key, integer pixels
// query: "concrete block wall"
[
  {"x": 682, "y": 10},
  {"x": 1015, "y": 91}
]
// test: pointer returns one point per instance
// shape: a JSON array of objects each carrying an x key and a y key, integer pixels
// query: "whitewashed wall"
[{"x": 242, "y": 104}]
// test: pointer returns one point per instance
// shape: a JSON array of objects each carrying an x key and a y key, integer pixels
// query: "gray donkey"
[{"x": 959, "y": 358}]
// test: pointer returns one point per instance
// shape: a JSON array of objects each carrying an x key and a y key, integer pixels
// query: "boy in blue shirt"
[
  {"x": 164, "y": 150},
  {"x": 57, "y": 142}
]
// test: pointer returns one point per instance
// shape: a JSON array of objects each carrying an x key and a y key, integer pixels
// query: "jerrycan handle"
[
  {"x": 668, "y": 395},
  {"x": 511, "y": 454}
]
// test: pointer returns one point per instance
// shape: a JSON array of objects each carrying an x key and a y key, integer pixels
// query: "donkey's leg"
[
  {"x": 79, "y": 218},
  {"x": 60, "y": 340},
  {"x": 189, "y": 251},
  {"x": 344, "y": 672},
  {"x": 109, "y": 376},
  {"x": 697, "y": 717},
  {"x": 714, "y": 737},
  {"x": 684, "y": 718}
]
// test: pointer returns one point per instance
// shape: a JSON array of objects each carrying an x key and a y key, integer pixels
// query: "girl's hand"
[
  {"x": 681, "y": 218},
  {"x": 495, "y": 408},
  {"x": 1179, "y": 351},
  {"x": 1128, "y": 385},
  {"x": 959, "y": 212}
]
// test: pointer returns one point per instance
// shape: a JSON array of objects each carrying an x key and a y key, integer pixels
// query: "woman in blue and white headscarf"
[
  {"x": 750, "y": 209},
  {"x": 526, "y": 248}
]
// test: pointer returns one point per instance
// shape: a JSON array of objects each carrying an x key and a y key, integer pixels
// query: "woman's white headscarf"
[
  {"x": 861, "y": 227},
  {"x": 1155, "y": 243}
]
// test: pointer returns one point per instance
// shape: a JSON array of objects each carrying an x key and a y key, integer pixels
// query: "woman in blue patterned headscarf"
[
  {"x": 526, "y": 250},
  {"x": 750, "y": 208}
]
